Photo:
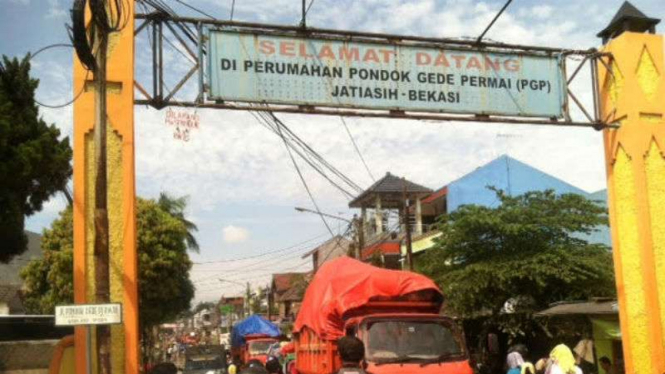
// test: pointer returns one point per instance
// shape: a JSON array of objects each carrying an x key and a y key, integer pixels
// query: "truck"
[
  {"x": 252, "y": 338},
  {"x": 205, "y": 359},
  {"x": 394, "y": 313}
]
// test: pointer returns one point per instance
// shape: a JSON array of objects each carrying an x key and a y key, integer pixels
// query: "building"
[
  {"x": 333, "y": 248},
  {"x": 382, "y": 212},
  {"x": 10, "y": 300},
  {"x": 10, "y": 278},
  {"x": 507, "y": 174},
  {"x": 382, "y": 205},
  {"x": 287, "y": 291}
]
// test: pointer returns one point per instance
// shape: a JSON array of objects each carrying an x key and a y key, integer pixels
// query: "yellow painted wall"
[
  {"x": 121, "y": 198},
  {"x": 633, "y": 94}
]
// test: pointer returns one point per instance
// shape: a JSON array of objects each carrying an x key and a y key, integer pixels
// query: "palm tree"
[{"x": 175, "y": 206}]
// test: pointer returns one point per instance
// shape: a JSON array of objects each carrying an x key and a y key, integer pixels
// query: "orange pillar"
[
  {"x": 633, "y": 94},
  {"x": 121, "y": 199}
]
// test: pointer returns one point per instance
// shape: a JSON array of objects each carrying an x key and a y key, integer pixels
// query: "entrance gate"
[{"x": 628, "y": 105}]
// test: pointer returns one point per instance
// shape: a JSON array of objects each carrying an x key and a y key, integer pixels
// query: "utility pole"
[
  {"x": 269, "y": 297},
  {"x": 407, "y": 227},
  {"x": 101, "y": 248},
  {"x": 248, "y": 296},
  {"x": 360, "y": 232}
]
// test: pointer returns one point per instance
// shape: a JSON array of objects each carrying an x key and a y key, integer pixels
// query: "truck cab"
[
  {"x": 257, "y": 347},
  {"x": 409, "y": 343}
]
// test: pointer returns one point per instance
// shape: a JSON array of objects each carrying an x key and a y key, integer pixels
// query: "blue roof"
[{"x": 515, "y": 178}]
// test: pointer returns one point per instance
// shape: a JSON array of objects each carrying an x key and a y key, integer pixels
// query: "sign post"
[
  {"x": 397, "y": 76},
  {"x": 88, "y": 315}
]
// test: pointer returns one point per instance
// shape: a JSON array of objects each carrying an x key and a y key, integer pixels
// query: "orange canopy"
[{"x": 344, "y": 284}]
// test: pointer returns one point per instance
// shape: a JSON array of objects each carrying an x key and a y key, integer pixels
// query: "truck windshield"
[
  {"x": 260, "y": 347},
  {"x": 401, "y": 341}
]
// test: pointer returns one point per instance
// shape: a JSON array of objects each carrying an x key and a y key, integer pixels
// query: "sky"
[{"x": 241, "y": 185}]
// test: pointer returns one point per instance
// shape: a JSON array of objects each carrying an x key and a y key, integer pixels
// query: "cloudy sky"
[{"x": 240, "y": 181}]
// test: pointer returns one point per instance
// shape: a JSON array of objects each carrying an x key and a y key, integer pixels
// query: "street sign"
[
  {"x": 342, "y": 73},
  {"x": 88, "y": 314}
]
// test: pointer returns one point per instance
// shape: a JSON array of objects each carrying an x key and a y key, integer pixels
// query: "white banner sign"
[{"x": 88, "y": 314}]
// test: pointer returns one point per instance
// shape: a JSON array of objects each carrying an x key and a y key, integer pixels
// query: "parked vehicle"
[
  {"x": 252, "y": 338},
  {"x": 395, "y": 313},
  {"x": 205, "y": 359}
]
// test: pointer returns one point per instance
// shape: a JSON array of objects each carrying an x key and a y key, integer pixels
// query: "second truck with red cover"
[{"x": 395, "y": 314}]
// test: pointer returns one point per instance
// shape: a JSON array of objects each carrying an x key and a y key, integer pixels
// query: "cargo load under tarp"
[
  {"x": 253, "y": 325},
  {"x": 344, "y": 285}
]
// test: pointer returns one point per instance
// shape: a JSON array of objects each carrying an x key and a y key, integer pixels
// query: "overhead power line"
[
  {"x": 197, "y": 10},
  {"x": 260, "y": 255},
  {"x": 302, "y": 179},
  {"x": 355, "y": 145}
]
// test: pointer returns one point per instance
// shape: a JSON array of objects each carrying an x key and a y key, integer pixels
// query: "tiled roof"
[
  {"x": 330, "y": 245},
  {"x": 435, "y": 195},
  {"x": 582, "y": 308},
  {"x": 389, "y": 184},
  {"x": 282, "y": 282}
]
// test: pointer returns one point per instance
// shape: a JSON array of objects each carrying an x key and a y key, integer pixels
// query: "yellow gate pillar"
[
  {"x": 632, "y": 93},
  {"x": 121, "y": 199}
]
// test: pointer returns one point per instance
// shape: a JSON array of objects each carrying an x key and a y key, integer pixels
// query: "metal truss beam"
[{"x": 192, "y": 49}]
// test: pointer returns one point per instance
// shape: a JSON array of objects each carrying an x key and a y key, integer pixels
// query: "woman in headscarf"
[
  {"x": 517, "y": 365},
  {"x": 562, "y": 361},
  {"x": 515, "y": 362}
]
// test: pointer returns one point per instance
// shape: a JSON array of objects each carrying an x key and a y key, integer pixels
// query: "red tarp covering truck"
[{"x": 394, "y": 313}]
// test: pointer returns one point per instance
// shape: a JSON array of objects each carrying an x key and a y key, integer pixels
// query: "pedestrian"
[
  {"x": 254, "y": 367},
  {"x": 517, "y": 365},
  {"x": 563, "y": 361},
  {"x": 352, "y": 353},
  {"x": 233, "y": 367},
  {"x": 606, "y": 364},
  {"x": 273, "y": 366}
]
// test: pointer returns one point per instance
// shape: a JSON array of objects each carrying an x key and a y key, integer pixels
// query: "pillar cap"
[{"x": 628, "y": 18}]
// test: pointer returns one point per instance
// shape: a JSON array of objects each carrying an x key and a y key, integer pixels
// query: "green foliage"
[
  {"x": 34, "y": 163},
  {"x": 176, "y": 207},
  {"x": 164, "y": 285},
  {"x": 203, "y": 305},
  {"x": 521, "y": 256}
]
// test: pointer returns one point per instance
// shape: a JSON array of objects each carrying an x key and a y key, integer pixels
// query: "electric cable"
[
  {"x": 195, "y": 9},
  {"x": 302, "y": 178},
  {"x": 355, "y": 145},
  {"x": 260, "y": 255},
  {"x": 266, "y": 122},
  {"x": 78, "y": 94}
]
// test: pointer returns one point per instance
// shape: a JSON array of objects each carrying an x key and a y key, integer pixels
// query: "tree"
[
  {"x": 165, "y": 288},
  {"x": 34, "y": 162},
  {"x": 520, "y": 256},
  {"x": 175, "y": 206}
]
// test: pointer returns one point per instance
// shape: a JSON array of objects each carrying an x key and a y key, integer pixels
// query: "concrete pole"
[
  {"x": 363, "y": 221},
  {"x": 378, "y": 217},
  {"x": 419, "y": 217}
]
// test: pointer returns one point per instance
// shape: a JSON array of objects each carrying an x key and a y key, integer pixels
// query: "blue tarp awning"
[{"x": 253, "y": 324}]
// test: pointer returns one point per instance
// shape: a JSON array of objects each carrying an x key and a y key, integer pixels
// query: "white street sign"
[{"x": 88, "y": 314}]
